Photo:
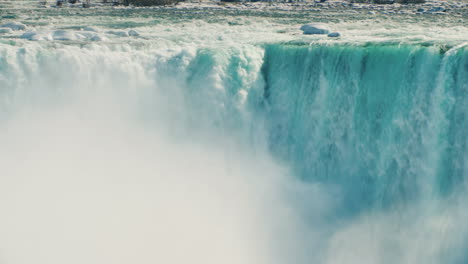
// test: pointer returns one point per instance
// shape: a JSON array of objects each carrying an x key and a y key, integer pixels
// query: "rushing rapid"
[{"x": 228, "y": 137}]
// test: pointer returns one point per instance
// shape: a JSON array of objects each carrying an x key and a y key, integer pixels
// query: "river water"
[{"x": 218, "y": 135}]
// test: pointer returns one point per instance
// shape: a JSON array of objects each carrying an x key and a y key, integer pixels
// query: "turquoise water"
[
  {"x": 383, "y": 120},
  {"x": 229, "y": 137}
]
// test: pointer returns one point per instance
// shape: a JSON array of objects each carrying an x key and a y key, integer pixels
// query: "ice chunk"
[
  {"x": 14, "y": 26},
  {"x": 36, "y": 36},
  {"x": 133, "y": 33},
  {"x": 98, "y": 38},
  {"x": 118, "y": 33},
  {"x": 311, "y": 29},
  {"x": 437, "y": 9},
  {"x": 90, "y": 29},
  {"x": 67, "y": 35},
  {"x": 5, "y": 30}
]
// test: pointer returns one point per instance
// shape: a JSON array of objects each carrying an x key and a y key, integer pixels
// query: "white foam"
[
  {"x": 62, "y": 35},
  {"x": 99, "y": 164}
]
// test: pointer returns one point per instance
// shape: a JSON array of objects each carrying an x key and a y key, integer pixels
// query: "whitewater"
[{"x": 205, "y": 133}]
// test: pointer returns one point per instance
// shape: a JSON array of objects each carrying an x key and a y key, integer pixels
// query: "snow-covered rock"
[{"x": 312, "y": 29}]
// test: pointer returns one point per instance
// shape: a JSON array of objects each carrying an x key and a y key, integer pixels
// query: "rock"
[
  {"x": 311, "y": 29},
  {"x": 14, "y": 26},
  {"x": 133, "y": 33},
  {"x": 5, "y": 30},
  {"x": 334, "y": 35}
]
